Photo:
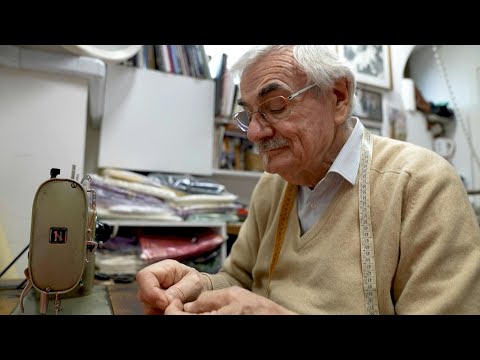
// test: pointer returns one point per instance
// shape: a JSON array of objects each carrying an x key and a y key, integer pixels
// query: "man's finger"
[
  {"x": 206, "y": 302},
  {"x": 147, "y": 310},
  {"x": 175, "y": 308},
  {"x": 185, "y": 290},
  {"x": 149, "y": 290}
]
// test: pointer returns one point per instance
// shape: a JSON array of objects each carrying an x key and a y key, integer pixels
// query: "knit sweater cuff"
[{"x": 217, "y": 281}]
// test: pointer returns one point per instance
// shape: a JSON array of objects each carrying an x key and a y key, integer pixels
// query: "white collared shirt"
[{"x": 312, "y": 203}]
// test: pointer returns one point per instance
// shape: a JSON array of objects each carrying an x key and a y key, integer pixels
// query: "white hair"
[{"x": 321, "y": 65}]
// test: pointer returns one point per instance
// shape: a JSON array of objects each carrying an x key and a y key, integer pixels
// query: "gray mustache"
[{"x": 271, "y": 144}]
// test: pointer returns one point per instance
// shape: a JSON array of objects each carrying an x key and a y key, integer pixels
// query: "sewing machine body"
[
  {"x": 58, "y": 236},
  {"x": 62, "y": 240}
]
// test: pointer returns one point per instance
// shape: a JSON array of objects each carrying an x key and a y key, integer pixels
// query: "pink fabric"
[{"x": 160, "y": 247}]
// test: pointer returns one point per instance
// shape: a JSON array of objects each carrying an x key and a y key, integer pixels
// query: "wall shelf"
[
  {"x": 237, "y": 173},
  {"x": 159, "y": 223},
  {"x": 238, "y": 134},
  {"x": 219, "y": 227},
  {"x": 439, "y": 119}
]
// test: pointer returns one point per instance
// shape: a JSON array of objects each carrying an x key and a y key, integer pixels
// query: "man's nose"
[{"x": 258, "y": 128}]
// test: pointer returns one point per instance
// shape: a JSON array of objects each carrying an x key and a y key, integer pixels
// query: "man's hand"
[
  {"x": 161, "y": 283},
  {"x": 229, "y": 301}
]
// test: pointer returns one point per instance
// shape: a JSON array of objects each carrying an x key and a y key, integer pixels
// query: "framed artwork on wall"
[
  {"x": 368, "y": 105},
  {"x": 398, "y": 123},
  {"x": 370, "y": 63}
]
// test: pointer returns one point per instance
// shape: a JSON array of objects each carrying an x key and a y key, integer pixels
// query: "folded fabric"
[
  {"x": 159, "y": 191},
  {"x": 109, "y": 215},
  {"x": 203, "y": 198},
  {"x": 181, "y": 246}
]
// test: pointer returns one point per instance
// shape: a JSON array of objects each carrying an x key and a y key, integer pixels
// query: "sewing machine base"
[{"x": 95, "y": 303}]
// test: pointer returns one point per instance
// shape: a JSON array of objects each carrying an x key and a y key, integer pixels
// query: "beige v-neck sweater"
[{"x": 426, "y": 242}]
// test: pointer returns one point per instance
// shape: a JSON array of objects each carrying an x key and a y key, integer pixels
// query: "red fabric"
[{"x": 178, "y": 247}]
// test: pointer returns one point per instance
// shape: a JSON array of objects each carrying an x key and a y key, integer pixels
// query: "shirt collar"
[{"x": 348, "y": 160}]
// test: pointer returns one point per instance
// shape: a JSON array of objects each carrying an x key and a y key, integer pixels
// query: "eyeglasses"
[{"x": 272, "y": 110}]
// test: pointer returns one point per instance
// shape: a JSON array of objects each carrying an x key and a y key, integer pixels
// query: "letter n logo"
[{"x": 58, "y": 235}]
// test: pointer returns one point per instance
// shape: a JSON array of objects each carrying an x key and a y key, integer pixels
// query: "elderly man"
[{"x": 342, "y": 222}]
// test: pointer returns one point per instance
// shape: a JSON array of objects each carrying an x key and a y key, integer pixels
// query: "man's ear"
[{"x": 342, "y": 105}]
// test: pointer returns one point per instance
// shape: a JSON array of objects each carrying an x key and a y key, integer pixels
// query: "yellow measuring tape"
[
  {"x": 288, "y": 199},
  {"x": 366, "y": 234}
]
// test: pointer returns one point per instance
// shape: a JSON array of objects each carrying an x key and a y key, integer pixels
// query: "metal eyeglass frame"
[{"x": 244, "y": 127}]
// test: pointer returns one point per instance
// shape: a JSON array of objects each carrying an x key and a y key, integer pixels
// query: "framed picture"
[
  {"x": 398, "y": 123},
  {"x": 368, "y": 105},
  {"x": 370, "y": 63}
]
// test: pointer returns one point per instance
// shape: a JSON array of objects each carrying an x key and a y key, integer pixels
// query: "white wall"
[
  {"x": 234, "y": 52},
  {"x": 417, "y": 132},
  {"x": 462, "y": 65},
  {"x": 42, "y": 125}
]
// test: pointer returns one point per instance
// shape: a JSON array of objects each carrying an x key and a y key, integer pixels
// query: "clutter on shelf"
[
  {"x": 438, "y": 115},
  {"x": 132, "y": 197}
]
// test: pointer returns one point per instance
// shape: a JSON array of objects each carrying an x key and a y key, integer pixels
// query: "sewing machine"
[{"x": 64, "y": 236}]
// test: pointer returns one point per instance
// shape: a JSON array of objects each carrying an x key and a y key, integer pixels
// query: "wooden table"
[{"x": 122, "y": 297}]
